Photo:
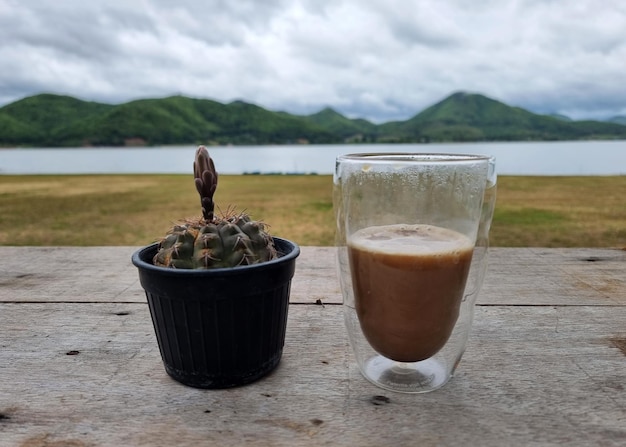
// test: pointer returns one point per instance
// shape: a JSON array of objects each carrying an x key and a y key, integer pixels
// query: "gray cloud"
[{"x": 378, "y": 59}]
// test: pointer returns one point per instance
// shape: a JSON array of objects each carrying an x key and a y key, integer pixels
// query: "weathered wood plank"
[
  {"x": 102, "y": 274},
  {"x": 530, "y": 376},
  {"x": 561, "y": 276},
  {"x": 518, "y": 276}
]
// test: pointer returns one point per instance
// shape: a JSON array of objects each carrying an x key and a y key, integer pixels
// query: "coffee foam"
[{"x": 405, "y": 239}]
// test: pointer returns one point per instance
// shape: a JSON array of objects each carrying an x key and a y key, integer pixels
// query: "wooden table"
[{"x": 545, "y": 365}]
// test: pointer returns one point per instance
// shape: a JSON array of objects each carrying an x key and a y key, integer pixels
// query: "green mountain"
[
  {"x": 63, "y": 121},
  {"x": 618, "y": 120},
  {"x": 473, "y": 117},
  {"x": 165, "y": 121},
  {"x": 560, "y": 117},
  {"x": 53, "y": 120},
  {"x": 250, "y": 124},
  {"x": 37, "y": 119},
  {"x": 355, "y": 130}
]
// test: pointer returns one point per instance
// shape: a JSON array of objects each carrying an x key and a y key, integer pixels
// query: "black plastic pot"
[{"x": 223, "y": 327}]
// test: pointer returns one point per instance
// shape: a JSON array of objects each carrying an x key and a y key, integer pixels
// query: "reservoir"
[{"x": 512, "y": 158}]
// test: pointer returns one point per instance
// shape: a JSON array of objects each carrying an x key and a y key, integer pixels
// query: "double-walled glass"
[{"x": 412, "y": 237}]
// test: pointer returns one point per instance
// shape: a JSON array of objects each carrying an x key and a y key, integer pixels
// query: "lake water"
[{"x": 532, "y": 158}]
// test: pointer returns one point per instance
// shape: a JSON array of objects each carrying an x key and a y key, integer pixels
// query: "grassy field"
[{"x": 138, "y": 209}]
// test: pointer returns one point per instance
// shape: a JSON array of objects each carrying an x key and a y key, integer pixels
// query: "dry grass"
[
  {"x": 560, "y": 212},
  {"x": 137, "y": 209}
]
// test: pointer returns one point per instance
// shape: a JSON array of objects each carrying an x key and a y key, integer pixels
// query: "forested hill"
[{"x": 48, "y": 120}]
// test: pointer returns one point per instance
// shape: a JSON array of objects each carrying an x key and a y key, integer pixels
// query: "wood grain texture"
[
  {"x": 517, "y": 276},
  {"x": 91, "y": 374},
  {"x": 79, "y": 362}
]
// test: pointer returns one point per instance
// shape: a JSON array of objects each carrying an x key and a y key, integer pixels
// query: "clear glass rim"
[{"x": 412, "y": 157}]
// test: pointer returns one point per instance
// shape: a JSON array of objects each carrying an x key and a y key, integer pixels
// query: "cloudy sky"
[{"x": 376, "y": 59}]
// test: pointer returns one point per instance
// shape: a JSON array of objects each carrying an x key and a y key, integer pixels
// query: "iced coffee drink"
[{"x": 408, "y": 283}]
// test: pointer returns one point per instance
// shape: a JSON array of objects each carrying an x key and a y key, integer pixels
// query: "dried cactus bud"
[{"x": 205, "y": 177}]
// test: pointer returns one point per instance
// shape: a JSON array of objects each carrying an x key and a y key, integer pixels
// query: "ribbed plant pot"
[{"x": 219, "y": 328}]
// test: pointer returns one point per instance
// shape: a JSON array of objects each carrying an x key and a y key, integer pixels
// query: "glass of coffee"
[{"x": 412, "y": 237}]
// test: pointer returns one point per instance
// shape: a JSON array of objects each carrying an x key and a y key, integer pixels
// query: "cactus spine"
[{"x": 212, "y": 241}]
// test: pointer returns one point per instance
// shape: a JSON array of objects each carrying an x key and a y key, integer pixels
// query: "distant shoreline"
[{"x": 254, "y": 146}]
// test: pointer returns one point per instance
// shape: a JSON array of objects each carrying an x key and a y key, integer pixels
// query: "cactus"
[{"x": 211, "y": 241}]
